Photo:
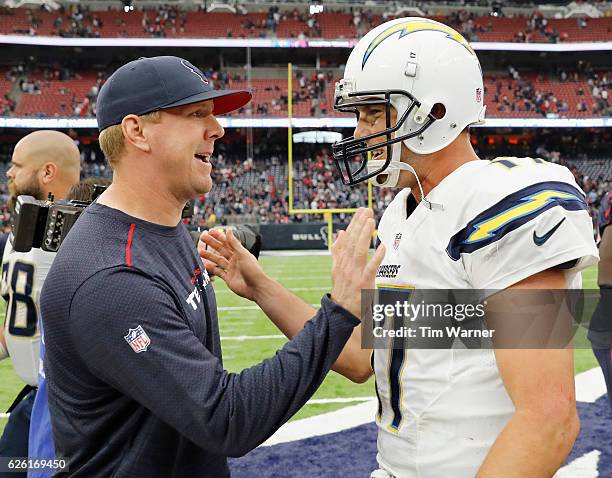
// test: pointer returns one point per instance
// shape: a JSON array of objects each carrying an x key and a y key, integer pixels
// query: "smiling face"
[
  {"x": 372, "y": 119},
  {"x": 182, "y": 143}
]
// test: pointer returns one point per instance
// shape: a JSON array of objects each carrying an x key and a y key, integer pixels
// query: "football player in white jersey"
[
  {"x": 43, "y": 162},
  {"x": 460, "y": 223}
]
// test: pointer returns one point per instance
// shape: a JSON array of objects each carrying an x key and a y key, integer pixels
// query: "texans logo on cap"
[{"x": 197, "y": 73}]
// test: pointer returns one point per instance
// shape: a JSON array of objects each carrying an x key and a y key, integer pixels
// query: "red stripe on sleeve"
[{"x": 128, "y": 246}]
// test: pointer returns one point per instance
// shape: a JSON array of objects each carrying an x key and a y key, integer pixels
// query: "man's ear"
[
  {"x": 48, "y": 172},
  {"x": 134, "y": 133}
]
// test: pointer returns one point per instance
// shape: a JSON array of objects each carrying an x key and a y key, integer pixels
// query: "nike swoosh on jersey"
[
  {"x": 539, "y": 240},
  {"x": 512, "y": 212}
]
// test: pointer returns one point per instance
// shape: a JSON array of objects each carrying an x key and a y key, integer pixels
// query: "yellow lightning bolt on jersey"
[{"x": 532, "y": 203}]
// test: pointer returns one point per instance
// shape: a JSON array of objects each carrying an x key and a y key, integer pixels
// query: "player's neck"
[
  {"x": 142, "y": 200},
  {"x": 445, "y": 162}
]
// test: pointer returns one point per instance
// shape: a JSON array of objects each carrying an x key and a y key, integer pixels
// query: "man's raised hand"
[
  {"x": 225, "y": 257},
  {"x": 351, "y": 270}
]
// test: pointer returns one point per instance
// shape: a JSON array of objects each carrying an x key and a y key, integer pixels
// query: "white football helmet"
[{"x": 431, "y": 76}]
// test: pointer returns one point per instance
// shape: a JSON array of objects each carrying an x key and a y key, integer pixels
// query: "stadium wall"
[{"x": 295, "y": 236}]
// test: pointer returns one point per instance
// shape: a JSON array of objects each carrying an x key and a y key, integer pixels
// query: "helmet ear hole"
[
  {"x": 438, "y": 111},
  {"x": 382, "y": 178}
]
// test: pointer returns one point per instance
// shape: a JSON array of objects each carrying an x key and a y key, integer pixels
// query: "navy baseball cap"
[{"x": 150, "y": 84}]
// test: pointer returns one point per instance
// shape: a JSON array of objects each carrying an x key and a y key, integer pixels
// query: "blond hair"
[{"x": 111, "y": 138}]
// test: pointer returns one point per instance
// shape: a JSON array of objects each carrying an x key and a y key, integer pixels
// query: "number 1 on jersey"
[{"x": 397, "y": 359}]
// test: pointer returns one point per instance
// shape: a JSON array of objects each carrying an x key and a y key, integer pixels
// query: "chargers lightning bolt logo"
[
  {"x": 488, "y": 228},
  {"x": 512, "y": 212},
  {"x": 405, "y": 28}
]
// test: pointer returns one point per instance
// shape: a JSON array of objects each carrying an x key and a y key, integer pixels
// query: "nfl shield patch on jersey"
[{"x": 138, "y": 339}]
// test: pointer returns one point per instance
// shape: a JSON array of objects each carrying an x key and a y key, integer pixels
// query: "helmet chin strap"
[{"x": 392, "y": 172}]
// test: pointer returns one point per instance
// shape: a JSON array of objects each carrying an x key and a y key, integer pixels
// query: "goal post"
[{"x": 327, "y": 212}]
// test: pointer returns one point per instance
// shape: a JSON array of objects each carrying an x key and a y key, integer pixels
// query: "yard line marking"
[
  {"x": 239, "y": 307},
  {"x": 232, "y": 331},
  {"x": 323, "y": 401},
  {"x": 296, "y": 253},
  {"x": 343, "y": 419},
  {"x": 590, "y": 385},
  {"x": 304, "y": 278},
  {"x": 249, "y": 307},
  {"x": 584, "y": 466},
  {"x": 294, "y": 289}
]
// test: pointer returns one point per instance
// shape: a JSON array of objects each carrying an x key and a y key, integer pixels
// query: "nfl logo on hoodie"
[{"x": 138, "y": 339}]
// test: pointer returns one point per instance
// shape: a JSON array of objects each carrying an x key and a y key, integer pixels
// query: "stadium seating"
[
  {"x": 56, "y": 98},
  {"x": 563, "y": 91},
  {"x": 594, "y": 168},
  {"x": 116, "y": 23},
  {"x": 59, "y": 98},
  {"x": 5, "y": 88}
]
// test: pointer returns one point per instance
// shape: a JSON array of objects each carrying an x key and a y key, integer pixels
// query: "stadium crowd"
[
  {"x": 80, "y": 21},
  {"x": 169, "y": 21},
  {"x": 561, "y": 94},
  {"x": 471, "y": 26},
  {"x": 256, "y": 190},
  {"x": 260, "y": 199},
  {"x": 517, "y": 92},
  {"x": 35, "y": 80},
  {"x": 274, "y": 17}
]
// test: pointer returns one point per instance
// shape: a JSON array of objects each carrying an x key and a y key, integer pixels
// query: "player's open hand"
[
  {"x": 225, "y": 257},
  {"x": 351, "y": 270}
]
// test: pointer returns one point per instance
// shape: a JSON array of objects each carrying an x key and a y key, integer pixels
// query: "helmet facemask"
[{"x": 351, "y": 155}]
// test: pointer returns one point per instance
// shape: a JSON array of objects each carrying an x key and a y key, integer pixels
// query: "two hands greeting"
[{"x": 225, "y": 257}]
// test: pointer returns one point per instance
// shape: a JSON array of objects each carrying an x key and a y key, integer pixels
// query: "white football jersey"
[
  {"x": 441, "y": 410},
  {"x": 23, "y": 275}
]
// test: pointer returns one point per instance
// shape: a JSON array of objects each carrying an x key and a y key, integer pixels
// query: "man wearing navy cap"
[{"x": 133, "y": 358}]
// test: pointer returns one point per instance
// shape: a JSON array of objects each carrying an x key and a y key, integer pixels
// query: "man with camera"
[
  {"x": 133, "y": 358},
  {"x": 43, "y": 163}
]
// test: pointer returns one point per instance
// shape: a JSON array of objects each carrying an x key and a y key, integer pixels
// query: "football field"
[{"x": 248, "y": 336}]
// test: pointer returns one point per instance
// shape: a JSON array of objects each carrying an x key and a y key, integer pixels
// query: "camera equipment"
[
  {"x": 245, "y": 233},
  {"x": 45, "y": 224},
  {"x": 248, "y": 237}
]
